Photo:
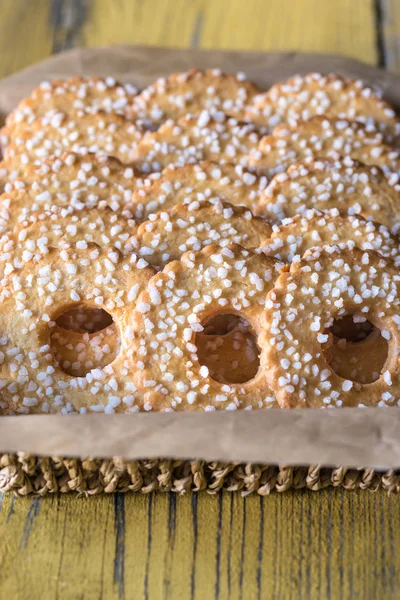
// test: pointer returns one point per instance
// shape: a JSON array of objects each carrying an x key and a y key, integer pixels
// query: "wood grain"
[
  {"x": 30, "y": 31},
  {"x": 330, "y": 544},
  {"x": 389, "y": 32},
  {"x": 66, "y": 19},
  {"x": 344, "y": 26},
  {"x": 25, "y": 36}
]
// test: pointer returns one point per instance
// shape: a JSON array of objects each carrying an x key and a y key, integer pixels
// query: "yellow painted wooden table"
[{"x": 330, "y": 544}]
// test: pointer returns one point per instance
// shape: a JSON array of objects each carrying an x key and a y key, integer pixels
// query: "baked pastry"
[
  {"x": 293, "y": 237},
  {"x": 72, "y": 336},
  {"x": 32, "y": 239},
  {"x": 33, "y": 298},
  {"x": 231, "y": 355},
  {"x": 105, "y": 133},
  {"x": 71, "y": 181},
  {"x": 83, "y": 340},
  {"x": 240, "y": 315},
  {"x": 180, "y": 94},
  {"x": 356, "y": 352},
  {"x": 346, "y": 185},
  {"x": 303, "y": 97},
  {"x": 325, "y": 285},
  {"x": 169, "y": 314},
  {"x": 73, "y": 96},
  {"x": 71, "y": 173},
  {"x": 192, "y": 139},
  {"x": 192, "y": 226},
  {"x": 202, "y": 181},
  {"x": 323, "y": 138}
]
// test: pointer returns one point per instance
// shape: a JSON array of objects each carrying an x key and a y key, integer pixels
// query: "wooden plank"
[
  {"x": 62, "y": 545},
  {"x": 389, "y": 33},
  {"x": 30, "y": 31},
  {"x": 180, "y": 568},
  {"x": 67, "y": 18},
  {"x": 25, "y": 36},
  {"x": 329, "y": 544},
  {"x": 344, "y": 26},
  {"x": 159, "y": 22}
]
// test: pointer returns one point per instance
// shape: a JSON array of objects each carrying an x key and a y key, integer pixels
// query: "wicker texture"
[{"x": 24, "y": 474}]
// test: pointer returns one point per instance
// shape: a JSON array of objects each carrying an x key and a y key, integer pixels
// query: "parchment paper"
[{"x": 351, "y": 437}]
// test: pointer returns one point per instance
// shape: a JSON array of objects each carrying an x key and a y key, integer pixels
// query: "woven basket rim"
[{"x": 24, "y": 475}]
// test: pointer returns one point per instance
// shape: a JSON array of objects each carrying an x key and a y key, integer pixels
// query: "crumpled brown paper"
[
  {"x": 141, "y": 66},
  {"x": 353, "y": 437}
]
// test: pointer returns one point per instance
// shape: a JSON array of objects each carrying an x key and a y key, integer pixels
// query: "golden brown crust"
[
  {"x": 322, "y": 138},
  {"x": 32, "y": 239},
  {"x": 303, "y": 97},
  {"x": 230, "y": 357},
  {"x": 70, "y": 172},
  {"x": 192, "y": 226},
  {"x": 346, "y": 185},
  {"x": 70, "y": 247},
  {"x": 102, "y": 133},
  {"x": 290, "y": 240},
  {"x": 202, "y": 181},
  {"x": 71, "y": 181},
  {"x": 325, "y": 285},
  {"x": 72, "y": 96},
  {"x": 181, "y": 94},
  {"x": 32, "y": 300},
  {"x": 207, "y": 136},
  {"x": 177, "y": 301},
  {"x": 360, "y": 361}
]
